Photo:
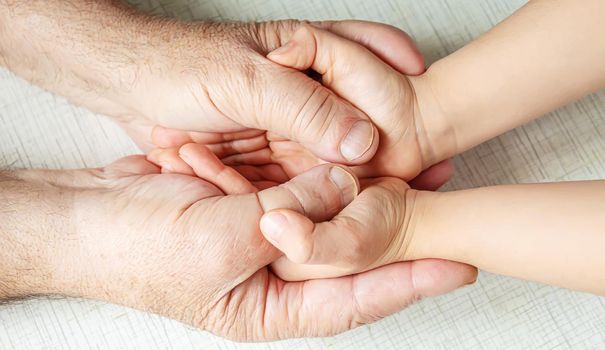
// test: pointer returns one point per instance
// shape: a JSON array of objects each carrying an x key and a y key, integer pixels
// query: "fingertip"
[
  {"x": 193, "y": 150},
  {"x": 156, "y": 135},
  {"x": 273, "y": 226},
  {"x": 207, "y": 166},
  {"x": 165, "y": 138},
  {"x": 282, "y": 54},
  {"x": 299, "y": 52},
  {"x": 432, "y": 277},
  {"x": 288, "y": 231}
]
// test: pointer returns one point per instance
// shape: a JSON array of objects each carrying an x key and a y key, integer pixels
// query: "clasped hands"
[
  {"x": 272, "y": 202},
  {"x": 331, "y": 221},
  {"x": 271, "y": 205}
]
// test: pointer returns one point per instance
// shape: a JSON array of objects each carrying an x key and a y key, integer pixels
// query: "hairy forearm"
[
  {"x": 34, "y": 231},
  {"x": 547, "y": 54},
  {"x": 550, "y": 233},
  {"x": 99, "y": 54}
]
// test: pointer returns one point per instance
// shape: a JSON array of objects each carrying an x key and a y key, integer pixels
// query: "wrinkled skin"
[
  {"x": 224, "y": 83},
  {"x": 177, "y": 245},
  {"x": 383, "y": 92}
]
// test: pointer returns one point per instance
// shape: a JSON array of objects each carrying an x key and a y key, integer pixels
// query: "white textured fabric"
[{"x": 42, "y": 130}]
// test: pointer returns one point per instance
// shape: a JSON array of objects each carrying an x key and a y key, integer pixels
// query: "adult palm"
[{"x": 178, "y": 246}]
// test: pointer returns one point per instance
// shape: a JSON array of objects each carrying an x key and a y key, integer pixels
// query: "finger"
[
  {"x": 260, "y": 157},
  {"x": 263, "y": 185},
  {"x": 240, "y": 146},
  {"x": 270, "y": 172},
  {"x": 349, "y": 69},
  {"x": 319, "y": 193},
  {"x": 434, "y": 177},
  {"x": 371, "y": 231},
  {"x": 207, "y": 166},
  {"x": 330, "y": 306},
  {"x": 392, "y": 45},
  {"x": 170, "y": 161},
  {"x": 168, "y": 138}
]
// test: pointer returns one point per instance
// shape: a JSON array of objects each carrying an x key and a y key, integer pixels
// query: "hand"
[
  {"x": 265, "y": 159},
  {"x": 274, "y": 159},
  {"x": 355, "y": 73},
  {"x": 178, "y": 246},
  {"x": 248, "y": 91},
  {"x": 376, "y": 229},
  {"x": 392, "y": 100},
  {"x": 211, "y": 77},
  {"x": 379, "y": 237}
]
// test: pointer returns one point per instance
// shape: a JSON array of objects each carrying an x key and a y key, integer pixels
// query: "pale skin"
[
  {"x": 165, "y": 243},
  {"x": 388, "y": 288},
  {"x": 547, "y": 54},
  {"x": 388, "y": 222}
]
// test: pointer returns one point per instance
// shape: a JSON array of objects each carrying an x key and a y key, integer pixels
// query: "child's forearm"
[
  {"x": 547, "y": 54},
  {"x": 550, "y": 233}
]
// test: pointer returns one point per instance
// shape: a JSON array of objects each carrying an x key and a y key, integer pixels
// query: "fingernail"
[
  {"x": 283, "y": 49},
  {"x": 273, "y": 225},
  {"x": 345, "y": 182},
  {"x": 358, "y": 141}
]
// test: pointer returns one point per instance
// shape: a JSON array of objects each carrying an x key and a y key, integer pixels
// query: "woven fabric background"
[{"x": 38, "y": 129}]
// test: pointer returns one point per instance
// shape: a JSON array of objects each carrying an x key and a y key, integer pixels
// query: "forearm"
[
  {"x": 96, "y": 53},
  {"x": 550, "y": 233},
  {"x": 547, "y": 54},
  {"x": 35, "y": 231}
]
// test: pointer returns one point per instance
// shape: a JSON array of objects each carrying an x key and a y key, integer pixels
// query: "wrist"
[
  {"x": 419, "y": 208},
  {"x": 36, "y": 235},
  {"x": 435, "y": 119}
]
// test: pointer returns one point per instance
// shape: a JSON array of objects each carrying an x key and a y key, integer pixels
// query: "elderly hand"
[
  {"x": 374, "y": 232},
  {"x": 412, "y": 136},
  {"x": 178, "y": 246},
  {"x": 210, "y": 77}
]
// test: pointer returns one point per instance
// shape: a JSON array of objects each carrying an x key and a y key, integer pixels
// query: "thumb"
[
  {"x": 294, "y": 106},
  {"x": 319, "y": 193},
  {"x": 347, "y": 68}
]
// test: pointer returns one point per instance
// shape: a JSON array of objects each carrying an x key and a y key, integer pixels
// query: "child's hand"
[
  {"x": 376, "y": 229},
  {"x": 389, "y": 98}
]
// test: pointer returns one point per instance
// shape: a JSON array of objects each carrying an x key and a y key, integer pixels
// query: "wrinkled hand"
[
  {"x": 388, "y": 97},
  {"x": 214, "y": 77},
  {"x": 373, "y": 235},
  {"x": 356, "y": 74},
  {"x": 178, "y": 246},
  {"x": 385, "y": 94}
]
